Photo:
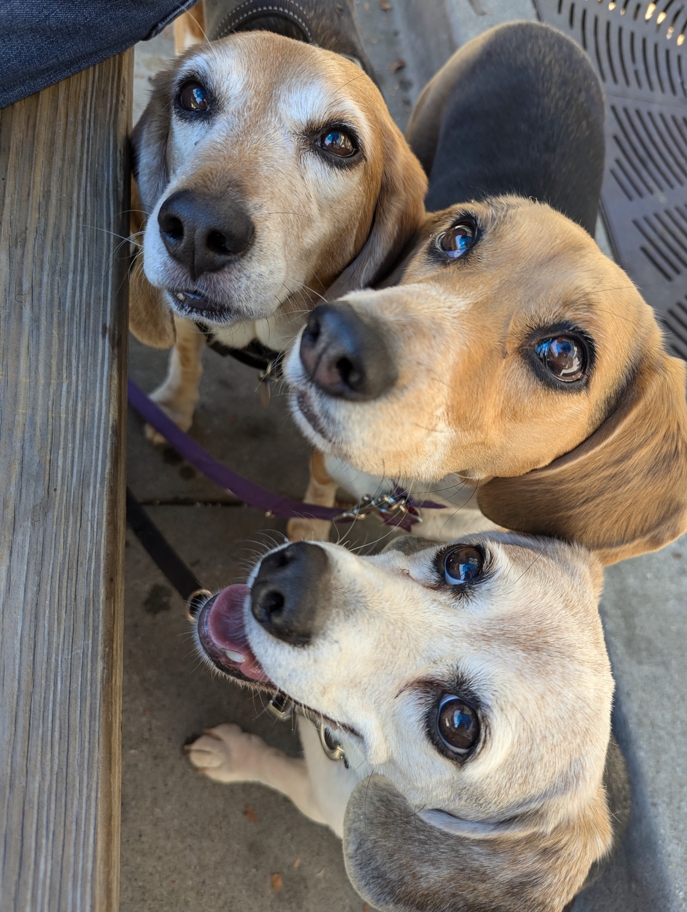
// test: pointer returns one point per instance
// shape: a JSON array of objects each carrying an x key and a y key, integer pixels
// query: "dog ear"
[
  {"x": 400, "y": 862},
  {"x": 150, "y": 318},
  {"x": 621, "y": 492},
  {"x": 398, "y": 215},
  {"x": 149, "y": 142}
]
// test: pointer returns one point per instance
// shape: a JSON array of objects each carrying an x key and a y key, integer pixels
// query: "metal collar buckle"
[
  {"x": 387, "y": 505},
  {"x": 282, "y": 707}
]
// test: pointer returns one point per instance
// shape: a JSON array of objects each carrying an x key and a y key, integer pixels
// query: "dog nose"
[
  {"x": 203, "y": 233},
  {"x": 346, "y": 355},
  {"x": 290, "y": 594}
]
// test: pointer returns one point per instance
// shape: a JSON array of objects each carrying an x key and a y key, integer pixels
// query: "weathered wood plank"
[{"x": 63, "y": 191}]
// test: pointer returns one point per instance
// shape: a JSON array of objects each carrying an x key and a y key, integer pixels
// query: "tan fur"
[{"x": 469, "y": 402}]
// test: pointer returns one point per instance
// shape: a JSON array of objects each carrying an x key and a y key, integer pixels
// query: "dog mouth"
[
  {"x": 221, "y": 632},
  {"x": 303, "y": 406},
  {"x": 197, "y": 305}
]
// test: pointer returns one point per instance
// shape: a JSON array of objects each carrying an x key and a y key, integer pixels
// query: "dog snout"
[
  {"x": 346, "y": 355},
  {"x": 290, "y": 595},
  {"x": 202, "y": 233}
]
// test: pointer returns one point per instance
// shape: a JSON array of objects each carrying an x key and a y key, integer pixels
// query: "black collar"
[
  {"x": 284, "y": 16},
  {"x": 255, "y": 354}
]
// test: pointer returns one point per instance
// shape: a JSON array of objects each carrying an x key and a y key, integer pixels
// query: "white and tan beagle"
[{"x": 469, "y": 689}]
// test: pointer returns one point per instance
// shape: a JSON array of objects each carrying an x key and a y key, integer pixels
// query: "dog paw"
[
  {"x": 226, "y": 753},
  {"x": 308, "y": 530},
  {"x": 180, "y": 413}
]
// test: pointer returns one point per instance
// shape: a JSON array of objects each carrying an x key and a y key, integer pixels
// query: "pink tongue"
[{"x": 225, "y": 626}]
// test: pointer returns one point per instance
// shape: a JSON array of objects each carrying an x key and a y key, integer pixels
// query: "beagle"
[
  {"x": 267, "y": 168},
  {"x": 507, "y": 361},
  {"x": 468, "y": 691}
]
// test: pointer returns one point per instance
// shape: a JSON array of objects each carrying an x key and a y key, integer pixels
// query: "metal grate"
[{"x": 639, "y": 50}]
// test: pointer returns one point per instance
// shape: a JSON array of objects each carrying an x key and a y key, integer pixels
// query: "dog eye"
[
  {"x": 338, "y": 141},
  {"x": 457, "y": 724},
  {"x": 463, "y": 564},
  {"x": 564, "y": 357},
  {"x": 193, "y": 96},
  {"x": 458, "y": 239}
]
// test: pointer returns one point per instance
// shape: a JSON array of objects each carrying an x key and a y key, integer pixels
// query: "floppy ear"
[
  {"x": 149, "y": 142},
  {"x": 398, "y": 214},
  {"x": 150, "y": 318},
  {"x": 398, "y": 862},
  {"x": 621, "y": 492}
]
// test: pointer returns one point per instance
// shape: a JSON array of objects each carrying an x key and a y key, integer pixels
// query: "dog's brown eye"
[
  {"x": 564, "y": 357},
  {"x": 194, "y": 97},
  {"x": 338, "y": 141},
  {"x": 463, "y": 564},
  {"x": 458, "y": 239},
  {"x": 457, "y": 723}
]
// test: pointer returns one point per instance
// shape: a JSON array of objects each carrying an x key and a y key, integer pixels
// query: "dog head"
[
  {"x": 266, "y": 168},
  {"x": 473, "y": 678},
  {"x": 510, "y": 342}
]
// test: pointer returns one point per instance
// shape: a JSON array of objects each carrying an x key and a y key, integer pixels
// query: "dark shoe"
[{"x": 329, "y": 24}]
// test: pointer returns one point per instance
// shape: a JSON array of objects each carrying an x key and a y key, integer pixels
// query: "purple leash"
[{"x": 260, "y": 498}]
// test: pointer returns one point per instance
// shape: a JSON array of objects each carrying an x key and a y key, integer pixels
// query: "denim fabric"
[{"x": 44, "y": 41}]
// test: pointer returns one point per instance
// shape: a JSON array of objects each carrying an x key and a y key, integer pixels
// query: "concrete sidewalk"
[{"x": 190, "y": 844}]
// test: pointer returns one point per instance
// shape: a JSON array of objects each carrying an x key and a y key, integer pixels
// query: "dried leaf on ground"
[
  {"x": 397, "y": 65},
  {"x": 297, "y": 864},
  {"x": 276, "y": 881},
  {"x": 250, "y": 813},
  {"x": 384, "y": 5}
]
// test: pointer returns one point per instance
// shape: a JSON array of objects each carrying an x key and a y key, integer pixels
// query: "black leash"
[{"x": 164, "y": 556}]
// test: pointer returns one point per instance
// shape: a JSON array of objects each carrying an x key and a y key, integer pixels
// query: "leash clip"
[{"x": 389, "y": 506}]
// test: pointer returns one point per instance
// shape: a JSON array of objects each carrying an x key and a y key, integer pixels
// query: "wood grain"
[{"x": 63, "y": 196}]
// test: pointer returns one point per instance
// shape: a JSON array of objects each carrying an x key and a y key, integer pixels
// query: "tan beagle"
[
  {"x": 519, "y": 359},
  {"x": 267, "y": 168},
  {"x": 469, "y": 689}
]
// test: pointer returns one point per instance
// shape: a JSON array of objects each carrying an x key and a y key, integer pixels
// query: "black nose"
[
  {"x": 202, "y": 233},
  {"x": 290, "y": 594},
  {"x": 345, "y": 354}
]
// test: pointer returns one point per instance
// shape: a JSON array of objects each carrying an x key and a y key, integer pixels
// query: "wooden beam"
[{"x": 63, "y": 199}]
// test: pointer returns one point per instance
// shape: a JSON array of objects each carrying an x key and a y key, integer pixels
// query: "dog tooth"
[
  {"x": 234, "y": 656},
  {"x": 181, "y": 296}
]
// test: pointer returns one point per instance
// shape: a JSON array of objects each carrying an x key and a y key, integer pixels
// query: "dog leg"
[
  {"x": 178, "y": 395},
  {"x": 321, "y": 490},
  {"x": 228, "y": 754}
]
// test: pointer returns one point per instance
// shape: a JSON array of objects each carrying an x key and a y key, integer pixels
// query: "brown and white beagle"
[
  {"x": 507, "y": 360},
  {"x": 267, "y": 168}
]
